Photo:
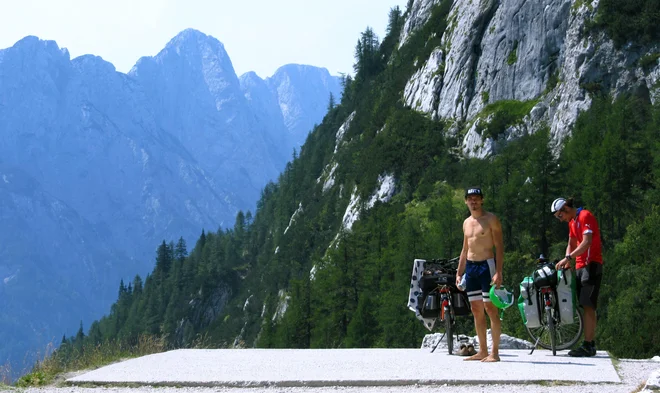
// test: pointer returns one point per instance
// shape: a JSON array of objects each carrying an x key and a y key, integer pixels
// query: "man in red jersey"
[{"x": 584, "y": 248}]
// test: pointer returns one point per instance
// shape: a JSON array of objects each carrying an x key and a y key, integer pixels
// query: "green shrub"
[
  {"x": 625, "y": 21},
  {"x": 592, "y": 87},
  {"x": 649, "y": 61},
  {"x": 513, "y": 56},
  {"x": 504, "y": 113},
  {"x": 553, "y": 80}
]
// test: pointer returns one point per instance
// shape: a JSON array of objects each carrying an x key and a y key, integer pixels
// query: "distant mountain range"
[{"x": 98, "y": 167}]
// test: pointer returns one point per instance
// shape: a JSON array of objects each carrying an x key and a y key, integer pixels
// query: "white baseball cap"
[{"x": 557, "y": 204}]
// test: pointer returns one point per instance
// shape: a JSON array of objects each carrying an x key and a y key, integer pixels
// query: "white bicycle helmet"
[{"x": 557, "y": 204}]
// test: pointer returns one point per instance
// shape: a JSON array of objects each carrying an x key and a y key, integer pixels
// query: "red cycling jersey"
[{"x": 585, "y": 222}]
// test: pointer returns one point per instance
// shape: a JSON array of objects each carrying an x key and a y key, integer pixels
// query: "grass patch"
[
  {"x": 513, "y": 56},
  {"x": 592, "y": 87},
  {"x": 485, "y": 96},
  {"x": 578, "y": 3},
  {"x": 649, "y": 61},
  {"x": 616, "y": 362},
  {"x": 553, "y": 80},
  {"x": 504, "y": 113},
  {"x": 67, "y": 359},
  {"x": 556, "y": 383}
]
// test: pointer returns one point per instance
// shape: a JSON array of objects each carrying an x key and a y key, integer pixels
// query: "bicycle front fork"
[{"x": 444, "y": 306}]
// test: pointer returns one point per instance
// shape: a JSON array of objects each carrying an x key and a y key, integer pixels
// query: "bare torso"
[{"x": 479, "y": 237}]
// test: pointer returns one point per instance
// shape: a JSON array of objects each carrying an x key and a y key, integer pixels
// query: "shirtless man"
[{"x": 482, "y": 232}]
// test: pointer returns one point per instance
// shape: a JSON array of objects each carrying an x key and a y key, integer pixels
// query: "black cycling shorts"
[{"x": 588, "y": 284}]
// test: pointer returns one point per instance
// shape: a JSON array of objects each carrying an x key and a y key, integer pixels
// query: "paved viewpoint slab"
[{"x": 345, "y": 367}]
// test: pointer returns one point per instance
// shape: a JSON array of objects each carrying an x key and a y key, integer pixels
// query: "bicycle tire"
[
  {"x": 550, "y": 321},
  {"x": 567, "y": 335},
  {"x": 449, "y": 334}
]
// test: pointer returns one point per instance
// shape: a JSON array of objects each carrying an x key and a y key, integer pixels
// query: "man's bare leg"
[
  {"x": 495, "y": 332},
  {"x": 589, "y": 323},
  {"x": 480, "y": 326}
]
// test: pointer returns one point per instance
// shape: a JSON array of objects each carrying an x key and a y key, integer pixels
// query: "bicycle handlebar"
[
  {"x": 450, "y": 265},
  {"x": 444, "y": 260},
  {"x": 546, "y": 262}
]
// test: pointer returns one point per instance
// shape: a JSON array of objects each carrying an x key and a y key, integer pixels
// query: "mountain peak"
[
  {"x": 191, "y": 38},
  {"x": 301, "y": 69},
  {"x": 34, "y": 44},
  {"x": 251, "y": 78},
  {"x": 190, "y": 32},
  {"x": 250, "y": 75},
  {"x": 191, "y": 54},
  {"x": 94, "y": 63}
]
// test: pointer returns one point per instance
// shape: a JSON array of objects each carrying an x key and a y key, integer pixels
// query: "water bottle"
[{"x": 461, "y": 285}]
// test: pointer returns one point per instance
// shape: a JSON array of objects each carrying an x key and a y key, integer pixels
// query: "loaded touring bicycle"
[
  {"x": 437, "y": 298},
  {"x": 548, "y": 309}
]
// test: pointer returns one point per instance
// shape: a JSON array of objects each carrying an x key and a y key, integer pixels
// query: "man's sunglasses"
[{"x": 560, "y": 212}]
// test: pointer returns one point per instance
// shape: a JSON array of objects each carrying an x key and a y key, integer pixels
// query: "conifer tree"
[
  {"x": 331, "y": 102},
  {"x": 122, "y": 289},
  {"x": 81, "y": 334},
  {"x": 163, "y": 258},
  {"x": 366, "y": 55},
  {"x": 95, "y": 336},
  {"x": 180, "y": 251},
  {"x": 363, "y": 328},
  {"x": 137, "y": 285}
]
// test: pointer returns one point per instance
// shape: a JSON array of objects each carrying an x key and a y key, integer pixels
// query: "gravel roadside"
[{"x": 633, "y": 373}]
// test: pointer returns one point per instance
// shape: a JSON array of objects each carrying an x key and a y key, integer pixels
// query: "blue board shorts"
[{"x": 479, "y": 275}]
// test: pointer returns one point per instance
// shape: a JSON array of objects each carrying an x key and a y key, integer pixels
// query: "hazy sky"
[{"x": 259, "y": 35}]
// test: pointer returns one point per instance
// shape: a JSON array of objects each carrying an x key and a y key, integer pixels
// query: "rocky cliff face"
[
  {"x": 520, "y": 50},
  {"x": 303, "y": 93},
  {"x": 264, "y": 104},
  {"x": 192, "y": 87}
]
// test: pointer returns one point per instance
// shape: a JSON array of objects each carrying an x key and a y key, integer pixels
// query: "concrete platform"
[{"x": 345, "y": 367}]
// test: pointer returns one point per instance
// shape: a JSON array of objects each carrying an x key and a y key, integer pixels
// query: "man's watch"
[{"x": 569, "y": 257}]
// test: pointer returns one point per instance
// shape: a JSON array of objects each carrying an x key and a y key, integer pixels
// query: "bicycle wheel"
[
  {"x": 542, "y": 335},
  {"x": 566, "y": 334},
  {"x": 550, "y": 321},
  {"x": 449, "y": 334},
  {"x": 569, "y": 334}
]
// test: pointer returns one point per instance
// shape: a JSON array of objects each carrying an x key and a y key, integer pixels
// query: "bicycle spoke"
[{"x": 567, "y": 335}]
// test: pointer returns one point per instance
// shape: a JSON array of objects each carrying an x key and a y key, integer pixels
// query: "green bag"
[{"x": 528, "y": 303}]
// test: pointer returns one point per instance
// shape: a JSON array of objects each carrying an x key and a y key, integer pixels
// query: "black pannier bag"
[
  {"x": 431, "y": 306},
  {"x": 428, "y": 301},
  {"x": 545, "y": 276},
  {"x": 460, "y": 303},
  {"x": 446, "y": 279},
  {"x": 420, "y": 302},
  {"x": 429, "y": 282}
]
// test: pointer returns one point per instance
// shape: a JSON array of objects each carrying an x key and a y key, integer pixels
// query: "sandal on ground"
[
  {"x": 463, "y": 351},
  {"x": 470, "y": 349}
]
